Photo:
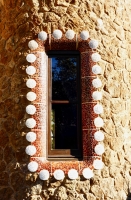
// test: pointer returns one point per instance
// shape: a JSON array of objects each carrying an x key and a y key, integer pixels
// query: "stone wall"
[{"x": 21, "y": 21}]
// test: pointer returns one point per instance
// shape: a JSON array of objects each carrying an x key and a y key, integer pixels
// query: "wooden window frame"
[{"x": 65, "y": 153}]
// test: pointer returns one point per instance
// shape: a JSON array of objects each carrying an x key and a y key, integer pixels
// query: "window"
[
  {"x": 74, "y": 101},
  {"x": 64, "y": 124}
]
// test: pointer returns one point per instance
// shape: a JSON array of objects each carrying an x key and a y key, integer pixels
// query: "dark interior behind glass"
[{"x": 64, "y": 98}]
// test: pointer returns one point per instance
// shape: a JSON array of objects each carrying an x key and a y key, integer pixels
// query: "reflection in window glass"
[
  {"x": 64, "y": 76},
  {"x": 53, "y": 129},
  {"x": 64, "y": 108}
]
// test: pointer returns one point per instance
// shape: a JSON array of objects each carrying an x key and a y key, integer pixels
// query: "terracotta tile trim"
[{"x": 88, "y": 115}]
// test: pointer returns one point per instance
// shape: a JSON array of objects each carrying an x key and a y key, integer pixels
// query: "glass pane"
[
  {"x": 64, "y": 76},
  {"x": 64, "y": 126},
  {"x": 53, "y": 129}
]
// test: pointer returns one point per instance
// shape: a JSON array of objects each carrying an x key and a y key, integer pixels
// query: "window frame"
[{"x": 65, "y": 153}]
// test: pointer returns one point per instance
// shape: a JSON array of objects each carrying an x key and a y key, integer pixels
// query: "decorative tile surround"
[{"x": 91, "y": 96}]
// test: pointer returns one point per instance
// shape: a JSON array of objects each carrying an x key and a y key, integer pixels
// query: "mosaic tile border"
[{"x": 91, "y": 107}]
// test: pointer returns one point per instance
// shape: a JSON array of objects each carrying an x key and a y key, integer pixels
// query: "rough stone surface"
[{"x": 21, "y": 21}]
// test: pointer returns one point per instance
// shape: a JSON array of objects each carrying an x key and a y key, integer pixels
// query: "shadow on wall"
[{"x": 129, "y": 195}]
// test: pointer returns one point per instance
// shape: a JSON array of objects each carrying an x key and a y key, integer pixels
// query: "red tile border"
[
  {"x": 65, "y": 165},
  {"x": 42, "y": 164},
  {"x": 88, "y": 116}
]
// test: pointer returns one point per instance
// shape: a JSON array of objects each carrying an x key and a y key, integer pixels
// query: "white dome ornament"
[
  {"x": 30, "y": 83},
  {"x": 42, "y": 35},
  {"x": 31, "y": 136},
  {"x": 87, "y": 173},
  {"x": 31, "y": 96},
  {"x": 57, "y": 34},
  {"x": 96, "y": 69},
  {"x": 30, "y": 109},
  {"x": 30, "y": 123},
  {"x": 98, "y": 136},
  {"x": 31, "y": 58},
  {"x": 32, "y": 44},
  {"x": 99, "y": 149},
  {"x": 95, "y": 57},
  {"x": 84, "y": 35},
  {"x": 96, "y": 95},
  {"x": 73, "y": 174},
  {"x": 44, "y": 175},
  {"x": 32, "y": 166},
  {"x": 98, "y": 109},
  {"x": 93, "y": 44},
  {"x": 30, "y": 150},
  {"x": 59, "y": 174},
  {"x": 96, "y": 83},
  {"x": 70, "y": 34},
  {"x": 98, "y": 164},
  {"x": 30, "y": 70},
  {"x": 98, "y": 121}
]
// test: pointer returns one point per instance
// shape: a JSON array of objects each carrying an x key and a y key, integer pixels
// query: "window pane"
[
  {"x": 64, "y": 98},
  {"x": 64, "y": 76},
  {"x": 64, "y": 126}
]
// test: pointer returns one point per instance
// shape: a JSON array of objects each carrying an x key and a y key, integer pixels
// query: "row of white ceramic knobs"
[{"x": 31, "y": 109}]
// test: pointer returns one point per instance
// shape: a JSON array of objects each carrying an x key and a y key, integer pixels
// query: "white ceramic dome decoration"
[
  {"x": 84, "y": 35},
  {"x": 98, "y": 121},
  {"x": 73, "y": 174},
  {"x": 30, "y": 123},
  {"x": 30, "y": 150},
  {"x": 31, "y": 136},
  {"x": 59, "y": 174},
  {"x": 70, "y": 34},
  {"x": 42, "y": 35},
  {"x": 96, "y": 83},
  {"x": 31, "y": 58},
  {"x": 95, "y": 57},
  {"x": 32, "y": 44},
  {"x": 31, "y": 96},
  {"x": 96, "y": 69},
  {"x": 98, "y": 164},
  {"x": 87, "y": 173},
  {"x": 57, "y": 34},
  {"x": 98, "y": 109},
  {"x": 44, "y": 175},
  {"x": 30, "y": 70},
  {"x": 98, "y": 136},
  {"x": 97, "y": 95},
  {"x": 32, "y": 166},
  {"x": 99, "y": 149},
  {"x": 30, "y": 109},
  {"x": 30, "y": 83},
  {"x": 93, "y": 44}
]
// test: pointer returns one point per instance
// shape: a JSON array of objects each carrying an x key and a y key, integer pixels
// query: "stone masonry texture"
[{"x": 20, "y": 22}]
